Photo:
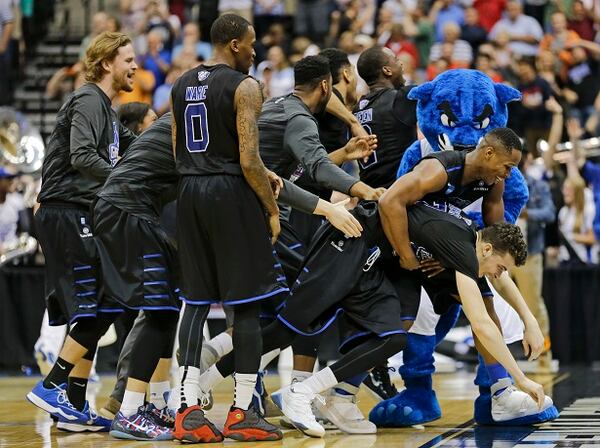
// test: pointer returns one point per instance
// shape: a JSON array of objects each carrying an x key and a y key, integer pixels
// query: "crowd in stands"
[{"x": 547, "y": 49}]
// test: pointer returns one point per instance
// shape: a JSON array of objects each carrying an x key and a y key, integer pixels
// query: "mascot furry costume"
[{"x": 454, "y": 111}]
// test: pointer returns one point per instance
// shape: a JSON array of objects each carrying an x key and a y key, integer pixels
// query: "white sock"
[
  {"x": 320, "y": 381},
  {"x": 190, "y": 377},
  {"x": 215, "y": 349},
  {"x": 131, "y": 402},
  {"x": 300, "y": 375},
  {"x": 210, "y": 379},
  {"x": 157, "y": 393},
  {"x": 244, "y": 388},
  {"x": 266, "y": 359}
]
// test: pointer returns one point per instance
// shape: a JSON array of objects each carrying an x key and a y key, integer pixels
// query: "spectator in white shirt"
[{"x": 524, "y": 32}]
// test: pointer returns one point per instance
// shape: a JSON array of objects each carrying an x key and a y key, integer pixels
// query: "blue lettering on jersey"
[
  {"x": 364, "y": 116},
  {"x": 113, "y": 148},
  {"x": 195, "y": 93}
]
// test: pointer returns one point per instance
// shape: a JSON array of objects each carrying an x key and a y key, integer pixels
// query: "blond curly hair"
[{"x": 104, "y": 47}]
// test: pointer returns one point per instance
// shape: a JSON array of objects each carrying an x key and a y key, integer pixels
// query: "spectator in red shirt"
[
  {"x": 582, "y": 21},
  {"x": 489, "y": 11}
]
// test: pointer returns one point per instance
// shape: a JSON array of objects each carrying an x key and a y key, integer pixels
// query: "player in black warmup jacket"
[
  {"x": 386, "y": 112},
  {"x": 85, "y": 144},
  {"x": 345, "y": 274}
]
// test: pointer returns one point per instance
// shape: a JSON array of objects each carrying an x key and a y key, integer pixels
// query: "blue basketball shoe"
[
  {"x": 54, "y": 401},
  {"x": 87, "y": 420}
]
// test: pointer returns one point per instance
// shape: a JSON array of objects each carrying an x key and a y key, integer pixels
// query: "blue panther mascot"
[{"x": 454, "y": 111}]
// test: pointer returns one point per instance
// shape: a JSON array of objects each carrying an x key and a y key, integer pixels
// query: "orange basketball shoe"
[
  {"x": 249, "y": 426},
  {"x": 192, "y": 426}
]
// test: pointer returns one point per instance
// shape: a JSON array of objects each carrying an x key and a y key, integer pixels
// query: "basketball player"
[
  {"x": 222, "y": 231},
  {"x": 368, "y": 298},
  {"x": 83, "y": 147},
  {"x": 385, "y": 112}
]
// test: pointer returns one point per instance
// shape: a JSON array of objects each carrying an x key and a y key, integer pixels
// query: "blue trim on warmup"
[
  {"x": 319, "y": 331},
  {"x": 155, "y": 269},
  {"x": 85, "y": 280},
  {"x": 146, "y": 257},
  {"x": 85, "y": 294},
  {"x": 233, "y": 302},
  {"x": 82, "y": 267},
  {"x": 156, "y": 296}
]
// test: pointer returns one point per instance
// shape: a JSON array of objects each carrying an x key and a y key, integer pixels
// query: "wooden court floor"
[{"x": 22, "y": 424}]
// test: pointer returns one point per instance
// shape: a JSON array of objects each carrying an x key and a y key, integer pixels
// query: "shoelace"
[
  {"x": 385, "y": 378},
  {"x": 166, "y": 414},
  {"x": 64, "y": 399},
  {"x": 372, "y": 259},
  {"x": 305, "y": 398},
  {"x": 204, "y": 400}
]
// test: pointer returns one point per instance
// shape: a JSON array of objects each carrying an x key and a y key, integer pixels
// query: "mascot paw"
[
  {"x": 409, "y": 407},
  {"x": 483, "y": 413}
]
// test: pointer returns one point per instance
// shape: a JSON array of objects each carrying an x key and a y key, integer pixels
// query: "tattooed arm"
[{"x": 248, "y": 101}]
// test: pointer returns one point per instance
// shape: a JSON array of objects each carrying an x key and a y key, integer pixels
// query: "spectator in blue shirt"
[
  {"x": 191, "y": 36},
  {"x": 157, "y": 59},
  {"x": 442, "y": 12}
]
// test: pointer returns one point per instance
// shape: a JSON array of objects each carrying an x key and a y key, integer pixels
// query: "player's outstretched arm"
[
  {"x": 248, "y": 102},
  {"x": 533, "y": 340},
  {"x": 488, "y": 333},
  {"x": 427, "y": 177},
  {"x": 307, "y": 202},
  {"x": 337, "y": 108}
]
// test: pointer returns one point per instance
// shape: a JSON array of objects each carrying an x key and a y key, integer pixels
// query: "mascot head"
[{"x": 460, "y": 106}]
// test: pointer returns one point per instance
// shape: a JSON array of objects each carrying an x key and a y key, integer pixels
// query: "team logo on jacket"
[
  {"x": 113, "y": 148},
  {"x": 363, "y": 104},
  {"x": 86, "y": 231},
  {"x": 203, "y": 75}
]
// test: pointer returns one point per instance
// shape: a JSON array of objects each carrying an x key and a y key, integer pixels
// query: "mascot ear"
[
  {"x": 506, "y": 94},
  {"x": 422, "y": 92}
]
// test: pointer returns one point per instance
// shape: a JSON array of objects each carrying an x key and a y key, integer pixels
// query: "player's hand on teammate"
[
  {"x": 373, "y": 194},
  {"x": 534, "y": 390},
  {"x": 533, "y": 340},
  {"x": 275, "y": 226},
  {"x": 360, "y": 147},
  {"x": 357, "y": 130},
  {"x": 276, "y": 183},
  {"x": 342, "y": 219},
  {"x": 409, "y": 261},
  {"x": 431, "y": 267}
]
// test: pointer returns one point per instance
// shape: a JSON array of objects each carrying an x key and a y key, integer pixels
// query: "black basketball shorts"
[
  {"x": 138, "y": 261},
  {"x": 224, "y": 246},
  {"x": 72, "y": 280}
]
